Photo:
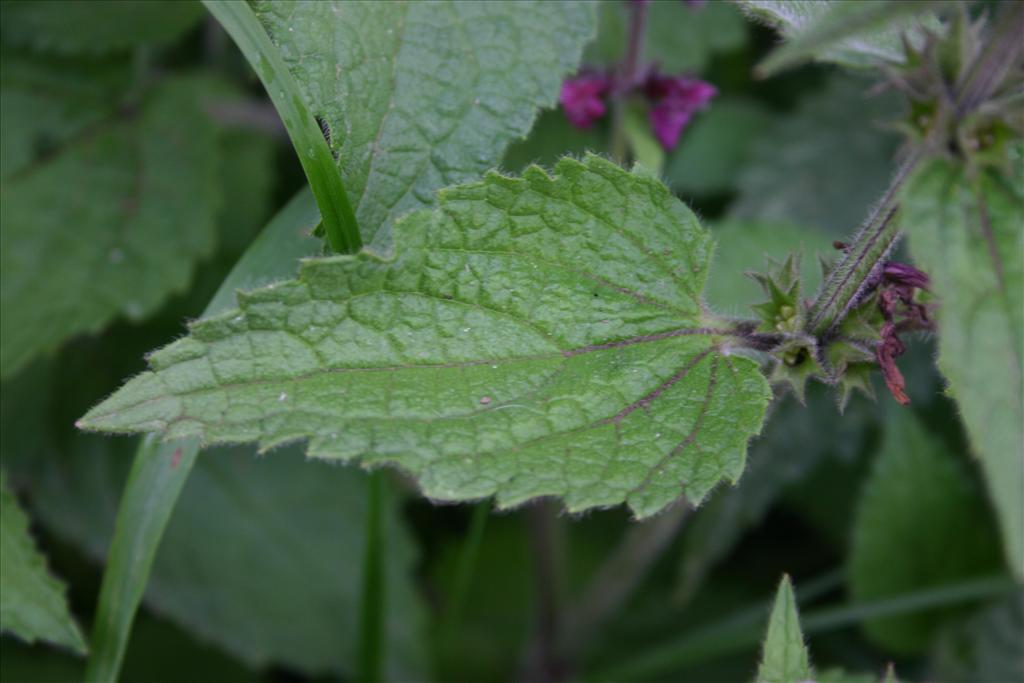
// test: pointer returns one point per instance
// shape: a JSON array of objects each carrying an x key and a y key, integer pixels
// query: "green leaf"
[
  {"x": 716, "y": 147},
  {"x": 478, "y": 362},
  {"x": 847, "y": 32},
  {"x": 279, "y": 514},
  {"x": 247, "y": 181},
  {"x": 110, "y": 223},
  {"x": 921, "y": 522},
  {"x": 965, "y": 232},
  {"x": 989, "y": 646},
  {"x": 47, "y": 103},
  {"x": 824, "y": 164},
  {"x": 418, "y": 96},
  {"x": 93, "y": 27},
  {"x": 677, "y": 37},
  {"x": 338, "y": 221},
  {"x": 792, "y": 444},
  {"x": 784, "y": 656},
  {"x": 159, "y": 653},
  {"x": 791, "y": 448},
  {"x": 743, "y": 246},
  {"x": 32, "y": 603}
]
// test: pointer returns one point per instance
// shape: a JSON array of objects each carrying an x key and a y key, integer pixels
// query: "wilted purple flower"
[
  {"x": 887, "y": 351},
  {"x": 581, "y": 98},
  {"x": 904, "y": 274},
  {"x": 675, "y": 100}
]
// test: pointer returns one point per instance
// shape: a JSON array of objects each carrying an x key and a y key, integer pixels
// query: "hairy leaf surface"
[
  {"x": 847, "y": 32},
  {"x": 32, "y": 603},
  {"x": 966, "y": 234},
  {"x": 93, "y": 27},
  {"x": 534, "y": 336},
  {"x": 417, "y": 96},
  {"x": 784, "y": 657},
  {"x": 921, "y": 522},
  {"x": 109, "y": 223}
]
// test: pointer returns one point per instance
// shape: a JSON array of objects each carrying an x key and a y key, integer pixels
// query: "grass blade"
[
  {"x": 160, "y": 470},
  {"x": 339, "y": 221}
]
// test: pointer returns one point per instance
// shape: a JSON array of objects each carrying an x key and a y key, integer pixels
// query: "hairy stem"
[{"x": 859, "y": 268}]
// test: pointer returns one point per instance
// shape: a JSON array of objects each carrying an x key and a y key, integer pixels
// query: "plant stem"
[
  {"x": 543, "y": 660},
  {"x": 239, "y": 20},
  {"x": 863, "y": 260},
  {"x": 466, "y": 567},
  {"x": 626, "y": 79},
  {"x": 372, "y": 607},
  {"x": 620, "y": 575}
]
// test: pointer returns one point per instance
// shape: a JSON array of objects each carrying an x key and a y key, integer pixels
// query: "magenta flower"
[
  {"x": 581, "y": 98},
  {"x": 675, "y": 101}
]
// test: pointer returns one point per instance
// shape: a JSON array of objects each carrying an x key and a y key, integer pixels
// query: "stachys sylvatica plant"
[{"x": 548, "y": 334}]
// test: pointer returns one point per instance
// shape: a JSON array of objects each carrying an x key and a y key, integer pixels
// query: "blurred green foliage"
[{"x": 257, "y": 577}]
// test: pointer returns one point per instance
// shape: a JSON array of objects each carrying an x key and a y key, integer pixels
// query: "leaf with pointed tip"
[
  {"x": 32, "y": 603},
  {"x": 921, "y": 521},
  {"x": 784, "y": 657},
  {"x": 966, "y": 234},
  {"x": 110, "y": 223},
  {"x": 534, "y": 336},
  {"x": 418, "y": 96}
]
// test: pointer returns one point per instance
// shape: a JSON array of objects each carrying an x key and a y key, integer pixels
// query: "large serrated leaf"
[
  {"x": 534, "y": 336},
  {"x": 48, "y": 102},
  {"x": 921, "y": 521},
  {"x": 32, "y": 603},
  {"x": 784, "y": 657},
  {"x": 252, "y": 544},
  {"x": 416, "y": 95},
  {"x": 108, "y": 223},
  {"x": 966, "y": 234},
  {"x": 92, "y": 27}
]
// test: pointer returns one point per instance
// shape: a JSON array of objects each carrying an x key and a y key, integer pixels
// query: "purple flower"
[
  {"x": 904, "y": 274},
  {"x": 581, "y": 98},
  {"x": 675, "y": 101}
]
